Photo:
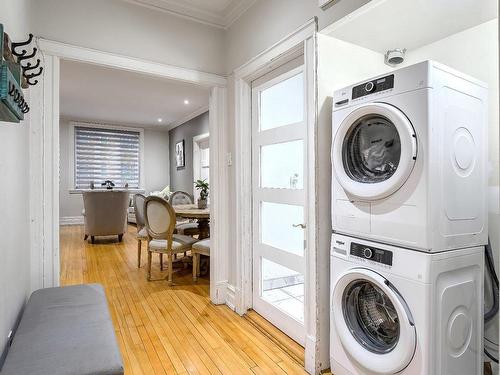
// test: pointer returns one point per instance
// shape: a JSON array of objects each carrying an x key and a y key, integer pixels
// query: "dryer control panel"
[
  {"x": 371, "y": 87},
  {"x": 371, "y": 253}
]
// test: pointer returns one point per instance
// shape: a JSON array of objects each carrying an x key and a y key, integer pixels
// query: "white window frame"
[
  {"x": 196, "y": 159},
  {"x": 71, "y": 160}
]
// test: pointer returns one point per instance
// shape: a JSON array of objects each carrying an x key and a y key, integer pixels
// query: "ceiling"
[
  {"x": 386, "y": 24},
  {"x": 98, "y": 94},
  {"x": 218, "y": 13}
]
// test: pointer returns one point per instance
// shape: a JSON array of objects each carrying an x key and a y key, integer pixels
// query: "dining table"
[{"x": 201, "y": 215}]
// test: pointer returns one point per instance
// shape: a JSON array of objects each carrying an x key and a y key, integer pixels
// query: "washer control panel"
[
  {"x": 371, "y": 87},
  {"x": 371, "y": 253}
]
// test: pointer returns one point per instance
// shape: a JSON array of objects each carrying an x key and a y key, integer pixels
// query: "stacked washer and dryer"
[{"x": 409, "y": 214}]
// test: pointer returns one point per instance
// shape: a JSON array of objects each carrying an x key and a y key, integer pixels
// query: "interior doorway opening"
[{"x": 47, "y": 151}]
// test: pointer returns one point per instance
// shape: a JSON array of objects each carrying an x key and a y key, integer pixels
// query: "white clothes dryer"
[
  {"x": 400, "y": 311},
  {"x": 409, "y": 158}
]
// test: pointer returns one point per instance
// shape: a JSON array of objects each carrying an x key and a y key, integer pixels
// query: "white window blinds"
[{"x": 106, "y": 154}]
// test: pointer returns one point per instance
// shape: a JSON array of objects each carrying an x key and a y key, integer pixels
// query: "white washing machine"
[
  {"x": 399, "y": 311},
  {"x": 409, "y": 157}
]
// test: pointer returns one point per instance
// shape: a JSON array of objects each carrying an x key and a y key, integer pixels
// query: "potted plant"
[{"x": 202, "y": 187}]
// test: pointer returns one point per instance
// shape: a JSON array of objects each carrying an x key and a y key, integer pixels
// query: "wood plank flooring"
[{"x": 168, "y": 330}]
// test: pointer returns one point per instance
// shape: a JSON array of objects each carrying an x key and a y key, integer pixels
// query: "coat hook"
[
  {"x": 25, "y": 109},
  {"x": 33, "y": 75},
  {"x": 31, "y": 83},
  {"x": 20, "y": 44},
  {"x": 12, "y": 87},
  {"x": 31, "y": 67},
  {"x": 26, "y": 57}
]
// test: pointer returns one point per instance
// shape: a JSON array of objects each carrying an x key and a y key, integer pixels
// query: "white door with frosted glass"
[{"x": 279, "y": 212}]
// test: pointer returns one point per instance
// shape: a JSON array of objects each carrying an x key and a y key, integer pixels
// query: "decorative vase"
[{"x": 202, "y": 203}]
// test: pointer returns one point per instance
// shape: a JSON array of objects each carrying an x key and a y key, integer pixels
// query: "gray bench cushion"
[{"x": 65, "y": 331}]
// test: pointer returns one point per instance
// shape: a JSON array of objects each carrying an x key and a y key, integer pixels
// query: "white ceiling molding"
[
  {"x": 185, "y": 119},
  {"x": 216, "y": 13}
]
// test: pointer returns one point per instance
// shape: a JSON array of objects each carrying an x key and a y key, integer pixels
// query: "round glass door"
[
  {"x": 371, "y": 150},
  {"x": 371, "y": 316},
  {"x": 374, "y": 151},
  {"x": 373, "y": 322}
]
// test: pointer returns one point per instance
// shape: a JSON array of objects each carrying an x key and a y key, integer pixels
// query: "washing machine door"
[
  {"x": 374, "y": 151},
  {"x": 373, "y": 322}
]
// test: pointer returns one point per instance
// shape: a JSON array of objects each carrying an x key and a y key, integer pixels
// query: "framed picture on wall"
[{"x": 180, "y": 161}]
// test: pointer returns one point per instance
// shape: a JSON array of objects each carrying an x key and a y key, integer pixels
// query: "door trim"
[{"x": 301, "y": 41}]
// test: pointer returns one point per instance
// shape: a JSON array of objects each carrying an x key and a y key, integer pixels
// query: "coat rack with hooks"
[{"x": 18, "y": 70}]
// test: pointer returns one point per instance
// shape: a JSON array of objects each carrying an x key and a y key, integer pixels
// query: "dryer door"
[
  {"x": 374, "y": 151},
  {"x": 373, "y": 322}
]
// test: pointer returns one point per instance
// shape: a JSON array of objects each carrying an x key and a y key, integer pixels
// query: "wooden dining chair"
[
  {"x": 199, "y": 248},
  {"x": 160, "y": 225},
  {"x": 181, "y": 197},
  {"x": 186, "y": 227},
  {"x": 142, "y": 233}
]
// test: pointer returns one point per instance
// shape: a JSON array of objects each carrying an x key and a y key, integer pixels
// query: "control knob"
[
  {"x": 369, "y": 86},
  {"x": 367, "y": 253}
]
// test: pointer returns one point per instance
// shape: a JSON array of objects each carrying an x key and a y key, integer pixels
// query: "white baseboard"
[
  {"x": 230, "y": 297},
  {"x": 71, "y": 220},
  {"x": 218, "y": 294}
]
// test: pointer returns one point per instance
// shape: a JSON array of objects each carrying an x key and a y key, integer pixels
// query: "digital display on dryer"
[
  {"x": 371, "y": 87},
  {"x": 371, "y": 253}
]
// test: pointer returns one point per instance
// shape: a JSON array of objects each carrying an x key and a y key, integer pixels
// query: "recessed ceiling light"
[
  {"x": 186, "y": 101},
  {"x": 160, "y": 120}
]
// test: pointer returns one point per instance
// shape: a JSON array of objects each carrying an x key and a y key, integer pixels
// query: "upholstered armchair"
[{"x": 105, "y": 213}]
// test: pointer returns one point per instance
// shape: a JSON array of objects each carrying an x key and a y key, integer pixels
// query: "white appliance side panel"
[
  {"x": 462, "y": 164},
  {"x": 457, "y": 317}
]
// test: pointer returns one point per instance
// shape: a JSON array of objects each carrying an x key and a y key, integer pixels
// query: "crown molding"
[
  {"x": 188, "y": 117},
  {"x": 220, "y": 19}
]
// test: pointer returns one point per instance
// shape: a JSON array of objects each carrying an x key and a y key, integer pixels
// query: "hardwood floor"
[{"x": 168, "y": 330}]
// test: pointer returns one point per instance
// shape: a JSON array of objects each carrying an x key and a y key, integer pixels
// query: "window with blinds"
[{"x": 106, "y": 154}]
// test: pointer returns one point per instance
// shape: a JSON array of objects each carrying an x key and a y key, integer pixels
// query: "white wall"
[
  {"x": 120, "y": 27},
  {"x": 156, "y": 168},
  {"x": 14, "y": 195},
  {"x": 268, "y": 21}
]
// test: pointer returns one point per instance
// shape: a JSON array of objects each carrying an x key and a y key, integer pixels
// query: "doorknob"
[{"x": 303, "y": 226}]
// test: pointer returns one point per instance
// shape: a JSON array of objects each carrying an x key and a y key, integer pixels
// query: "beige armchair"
[{"x": 105, "y": 213}]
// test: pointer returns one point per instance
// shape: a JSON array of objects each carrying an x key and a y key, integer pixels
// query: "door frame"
[
  {"x": 44, "y": 158},
  {"x": 316, "y": 318}
]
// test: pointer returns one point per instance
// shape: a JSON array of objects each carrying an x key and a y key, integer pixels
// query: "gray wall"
[
  {"x": 182, "y": 179},
  {"x": 156, "y": 168},
  {"x": 14, "y": 196}
]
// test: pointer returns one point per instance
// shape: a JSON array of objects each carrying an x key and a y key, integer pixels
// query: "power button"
[
  {"x": 367, "y": 253},
  {"x": 369, "y": 87}
]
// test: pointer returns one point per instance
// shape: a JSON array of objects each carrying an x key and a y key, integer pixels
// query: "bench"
[{"x": 65, "y": 331}]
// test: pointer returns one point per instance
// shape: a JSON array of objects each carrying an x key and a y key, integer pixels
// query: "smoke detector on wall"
[{"x": 395, "y": 56}]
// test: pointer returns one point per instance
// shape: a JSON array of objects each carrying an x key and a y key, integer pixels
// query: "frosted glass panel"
[
  {"x": 282, "y": 165},
  {"x": 283, "y": 103},
  {"x": 283, "y": 288},
  {"x": 277, "y": 221}
]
